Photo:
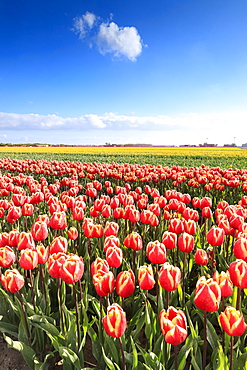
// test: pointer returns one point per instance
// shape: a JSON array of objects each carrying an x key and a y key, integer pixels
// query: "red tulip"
[
  {"x": 125, "y": 283},
  {"x": 232, "y": 322},
  {"x": 133, "y": 241},
  {"x": 146, "y": 277},
  {"x": 173, "y": 325},
  {"x": 4, "y": 239},
  {"x": 115, "y": 321},
  {"x": 240, "y": 249},
  {"x": 72, "y": 269},
  {"x": 201, "y": 257},
  {"x": 186, "y": 242},
  {"x": 156, "y": 252},
  {"x": 190, "y": 227},
  {"x": 224, "y": 282},
  {"x": 25, "y": 241},
  {"x": 55, "y": 263},
  {"x": 215, "y": 236},
  {"x": 238, "y": 273},
  {"x": 43, "y": 253},
  {"x": 207, "y": 212},
  {"x": 7, "y": 256},
  {"x": 208, "y": 295},
  {"x": 111, "y": 228},
  {"x": 104, "y": 283},
  {"x": 28, "y": 259},
  {"x": 59, "y": 244},
  {"x": 176, "y": 226},
  {"x": 99, "y": 265},
  {"x": 169, "y": 277},
  {"x": 39, "y": 230},
  {"x": 114, "y": 256},
  {"x": 72, "y": 233},
  {"x": 169, "y": 239},
  {"x": 58, "y": 220},
  {"x": 27, "y": 209},
  {"x": 12, "y": 280}
]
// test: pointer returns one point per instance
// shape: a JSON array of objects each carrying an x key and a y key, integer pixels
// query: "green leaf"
[
  {"x": 70, "y": 358},
  {"x": 184, "y": 352},
  {"x": 26, "y": 351},
  {"x": 108, "y": 362},
  {"x": 6, "y": 327},
  {"x": 135, "y": 355}
]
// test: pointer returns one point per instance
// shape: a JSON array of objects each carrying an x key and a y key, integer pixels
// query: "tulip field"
[{"x": 144, "y": 265}]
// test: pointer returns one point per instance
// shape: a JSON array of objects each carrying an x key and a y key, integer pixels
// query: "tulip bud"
[
  {"x": 201, "y": 257},
  {"x": 115, "y": 321},
  {"x": 133, "y": 241},
  {"x": 103, "y": 282},
  {"x": 43, "y": 253},
  {"x": 208, "y": 295},
  {"x": 59, "y": 244},
  {"x": 39, "y": 230},
  {"x": 190, "y": 227},
  {"x": 99, "y": 265},
  {"x": 238, "y": 273},
  {"x": 207, "y": 212},
  {"x": 28, "y": 259},
  {"x": 72, "y": 233},
  {"x": 7, "y": 256},
  {"x": 25, "y": 241},
  {"x": 58, "y": 220},
  {"x": 125, "y": 283},
  {"x": 146, "y": 277},
  {"x": 55, "y": 263},
  {"x": 169, "y": 239},
  {"x": 232, "y": 322},
  {"x": 111, "y": 228},
  {"x": 240, "y": 249},
  {"x": 215, "y": 236},
  {"x": 173, "y": 325},
  {"x": 176, "y": 226},
  {"x": 156, "y": 252},
  {"x": 12, "y": 280},
  {"x": 186, "y": 242},
  {"x": 4, "y": 239},
  {"x": 224, "y": 282},
  {"x": 27, "y": 209},
  {"x": 169, "y": 277},
  {"x": 72, "y": 269},
  {"x": 114, "y": 256}
]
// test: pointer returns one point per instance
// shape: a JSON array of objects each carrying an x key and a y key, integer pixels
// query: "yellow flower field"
[{"x": 163, "y": 151}]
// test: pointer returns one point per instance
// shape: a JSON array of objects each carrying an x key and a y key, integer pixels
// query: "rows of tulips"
[{"x": 151, "y": 270}]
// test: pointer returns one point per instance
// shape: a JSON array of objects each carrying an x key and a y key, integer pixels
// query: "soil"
[{"x": 10, "y": 359}]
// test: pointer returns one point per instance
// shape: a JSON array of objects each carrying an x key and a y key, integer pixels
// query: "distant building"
[{"x": 208, "y": 145}]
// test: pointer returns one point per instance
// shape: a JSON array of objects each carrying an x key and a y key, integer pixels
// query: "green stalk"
[
  {"x": 205, "y": 341},
  {"x": 77, "y": 318}
]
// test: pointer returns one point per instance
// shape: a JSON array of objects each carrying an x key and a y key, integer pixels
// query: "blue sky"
[{"x": 164, "y": 72}]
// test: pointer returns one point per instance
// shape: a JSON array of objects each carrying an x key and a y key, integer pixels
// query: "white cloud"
[
  {"x": 109, "y": 37},
  {"x": 83, "y": 24},
  {"x": 119, "y": 41},
  {"x": 233, "y": 123}
]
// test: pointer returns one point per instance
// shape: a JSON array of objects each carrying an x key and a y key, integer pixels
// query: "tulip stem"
[
  {"x": 231, "y": 352},
  {"x": 157, "y": 284},
  {"x": 238, "y": 299},
  {"x": 32, "y": 290},
  {"x": 175, "y": 357},
  {"x": 184, "y": 266},
  {"x": 25, "y": 318},
  {"x": 122, "y": 352},
  {"x": 77, "y": 317},
  {"x": 205, "y": 341},
  {"x": 42, "y": 281},
  {"x": 60, "y": 305}
]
